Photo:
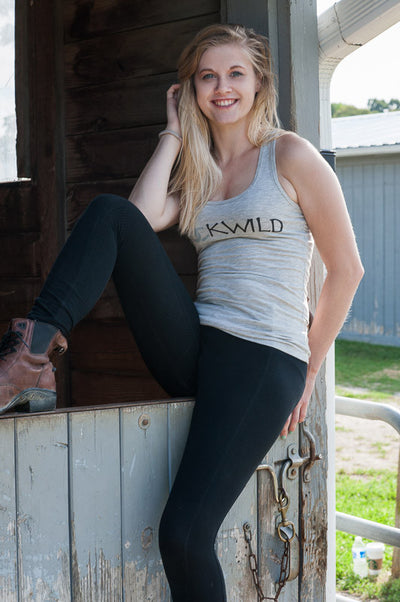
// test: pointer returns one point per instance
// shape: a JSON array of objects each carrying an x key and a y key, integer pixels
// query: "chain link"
[
  {"x": 283, "y": 505},
  {"x": 284, "y": 572}
]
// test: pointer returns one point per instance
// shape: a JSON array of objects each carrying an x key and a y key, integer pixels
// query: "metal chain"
[
  {"x": 283, "y": 505},
  {"x": 284, "y": 572}
]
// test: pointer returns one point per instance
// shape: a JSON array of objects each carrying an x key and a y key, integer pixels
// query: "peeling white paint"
[{"x": 142, "y": 586}]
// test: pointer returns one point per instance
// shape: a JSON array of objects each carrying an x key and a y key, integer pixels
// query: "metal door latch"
[{"x": 295, "y": 461}]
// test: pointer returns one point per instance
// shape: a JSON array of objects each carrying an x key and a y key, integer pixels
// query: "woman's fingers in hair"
[
  {"x": 172, "y": 108},
  {"x": 173, "y": 90}
]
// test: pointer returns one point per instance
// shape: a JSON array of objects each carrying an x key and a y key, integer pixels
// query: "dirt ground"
[{"x": 363, "y": 444}]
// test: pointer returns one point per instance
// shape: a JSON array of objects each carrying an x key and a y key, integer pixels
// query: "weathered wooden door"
[{"x": 82, "y": 492}]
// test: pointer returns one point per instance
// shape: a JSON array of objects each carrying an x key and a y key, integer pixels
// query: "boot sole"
[{"x": 32, "y": 400}]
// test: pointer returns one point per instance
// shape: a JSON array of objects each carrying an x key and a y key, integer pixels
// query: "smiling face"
[{"x": 226, "y": 84}]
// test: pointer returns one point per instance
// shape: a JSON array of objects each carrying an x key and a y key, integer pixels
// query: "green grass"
[
  {"x": 374, "y": 371},
  {"x": 372, "y": 495},
  {"x": 375, "y": 368}
]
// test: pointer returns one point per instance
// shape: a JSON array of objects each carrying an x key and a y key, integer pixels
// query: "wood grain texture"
[
  {"x": 79, "y": 195},
  {"x": 96, "y": 388},
  {"x": 95, "y": 506},
  {"x": 21, "y": 254},
  {"x": 144, "y": 469},
  {"x": 270, "y": 548},
  {"x": 42, "y": 507},
  {"x": 113, "y": 57},
  {"x": 8, "y": 515},
  {"x": 109, "y": 155},
  {"x": 232, "y": 549},
  {"x": 123, "y": 104},
  {"x": 84, "y": 19},
  {"x": 17, "y": 295},
  {"x": 18, "y": 209}
]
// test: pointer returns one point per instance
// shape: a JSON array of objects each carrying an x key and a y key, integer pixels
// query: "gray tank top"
[{"x": 254, "y": 256}]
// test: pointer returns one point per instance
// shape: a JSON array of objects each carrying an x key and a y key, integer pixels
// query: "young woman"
[{"x": 252, "y": 198}]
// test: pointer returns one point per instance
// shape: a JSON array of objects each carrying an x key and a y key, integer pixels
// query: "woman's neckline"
[{"x": 232, "y": 198}]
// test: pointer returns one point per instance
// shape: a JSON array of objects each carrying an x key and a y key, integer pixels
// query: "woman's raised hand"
[{"x": 172, "y": 109}]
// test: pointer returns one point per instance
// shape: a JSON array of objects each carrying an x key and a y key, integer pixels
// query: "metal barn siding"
[{"x": 371, "y": 186}]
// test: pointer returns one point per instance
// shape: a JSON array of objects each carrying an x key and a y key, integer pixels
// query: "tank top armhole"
[{"x": 274, "y": 171}]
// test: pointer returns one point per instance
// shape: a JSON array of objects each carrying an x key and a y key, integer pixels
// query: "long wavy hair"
[{"x": 196, "y": 175}]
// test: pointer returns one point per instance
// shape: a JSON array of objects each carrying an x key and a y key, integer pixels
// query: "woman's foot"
[{"x": 27, "y": 381}]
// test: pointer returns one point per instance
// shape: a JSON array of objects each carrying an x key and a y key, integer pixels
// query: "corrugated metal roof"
[{"x": 376, "y": 129}]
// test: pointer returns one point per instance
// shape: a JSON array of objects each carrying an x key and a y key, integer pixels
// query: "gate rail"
[{"x": 346, "y": 522}]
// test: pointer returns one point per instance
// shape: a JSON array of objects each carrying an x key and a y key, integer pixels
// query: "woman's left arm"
[{"x": 321, "y": 199}]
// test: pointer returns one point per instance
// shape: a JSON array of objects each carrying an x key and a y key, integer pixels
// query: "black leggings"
[{"x": 244, "y": 391}]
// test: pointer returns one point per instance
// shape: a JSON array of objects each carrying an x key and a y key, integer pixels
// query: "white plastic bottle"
[{"x": 359, "y": 552}]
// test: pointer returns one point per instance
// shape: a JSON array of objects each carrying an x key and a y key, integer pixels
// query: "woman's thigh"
[{"x": 245, "y": 393}]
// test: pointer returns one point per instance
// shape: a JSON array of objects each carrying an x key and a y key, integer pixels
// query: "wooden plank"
[
  {"x": 122, "y": 104},
  {"x": 18, "y": 209},
  {"x": 144, "y": 466},
  {"x": 79, "y": 195},
  {"x": 148, "y": 51},
  {"x": 47, "y": 144},
  {"x": 83, "y": 19},
  {"x": 20, "y": 255},
  {"x": 8, "y": 536},
  {"x": 47, "y": 125},
  {"x": 96, "y": 388},
  {"x": 251, "y": 13},
  {"x": 113, "y": 348},
  {"x": 108, "y": 155},
  {"x": 179, "y": 417},
  {"x": 95, "y": 506},
  {"x": 314, "y": 519},
  {"x": 232, "y": 549},
  {"x": 42, "y": 505},
  {"x": 270, "y": 548},
  {"x": 22, "y": 86},
  {"x": 17, "y": 295}
]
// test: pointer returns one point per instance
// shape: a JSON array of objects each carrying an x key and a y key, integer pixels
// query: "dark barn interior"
[{"x": 91, "y": 78}]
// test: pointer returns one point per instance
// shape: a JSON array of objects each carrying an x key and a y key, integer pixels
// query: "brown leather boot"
[{"x": 27, "y": 381}]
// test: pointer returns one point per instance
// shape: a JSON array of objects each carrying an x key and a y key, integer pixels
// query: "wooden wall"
[
  {"x": 119, "y": 59},
  {"x": 82, "y": 494},
  {"x": 92, "y": 79}
]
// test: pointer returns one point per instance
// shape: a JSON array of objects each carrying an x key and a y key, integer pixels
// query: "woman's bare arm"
[
  {"x": 321, "y": 199},
  {"x": 150, "y": 193}
]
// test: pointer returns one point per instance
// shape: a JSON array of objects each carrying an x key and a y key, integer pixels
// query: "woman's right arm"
[{"x": 150, "y": 193}]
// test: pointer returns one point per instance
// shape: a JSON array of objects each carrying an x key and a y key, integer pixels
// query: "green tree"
[
  {"x": 377, "y": 106},
  {"x": 394, "y": 104},
  {"x": 342, "y": 110}
]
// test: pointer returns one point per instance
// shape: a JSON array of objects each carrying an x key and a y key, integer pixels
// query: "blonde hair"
[{"x": 196, "y": 175}]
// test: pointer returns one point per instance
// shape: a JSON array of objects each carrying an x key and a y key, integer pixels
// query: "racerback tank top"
[{"x": 254, "y": 256}]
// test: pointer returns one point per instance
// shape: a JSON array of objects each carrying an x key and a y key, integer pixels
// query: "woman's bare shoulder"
[
  {"x": 290, "y": 145},
  {"x": 296, "y": 155}
]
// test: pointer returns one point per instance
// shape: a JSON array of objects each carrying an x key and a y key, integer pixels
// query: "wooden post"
[{"x": 47, "y": 142}]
